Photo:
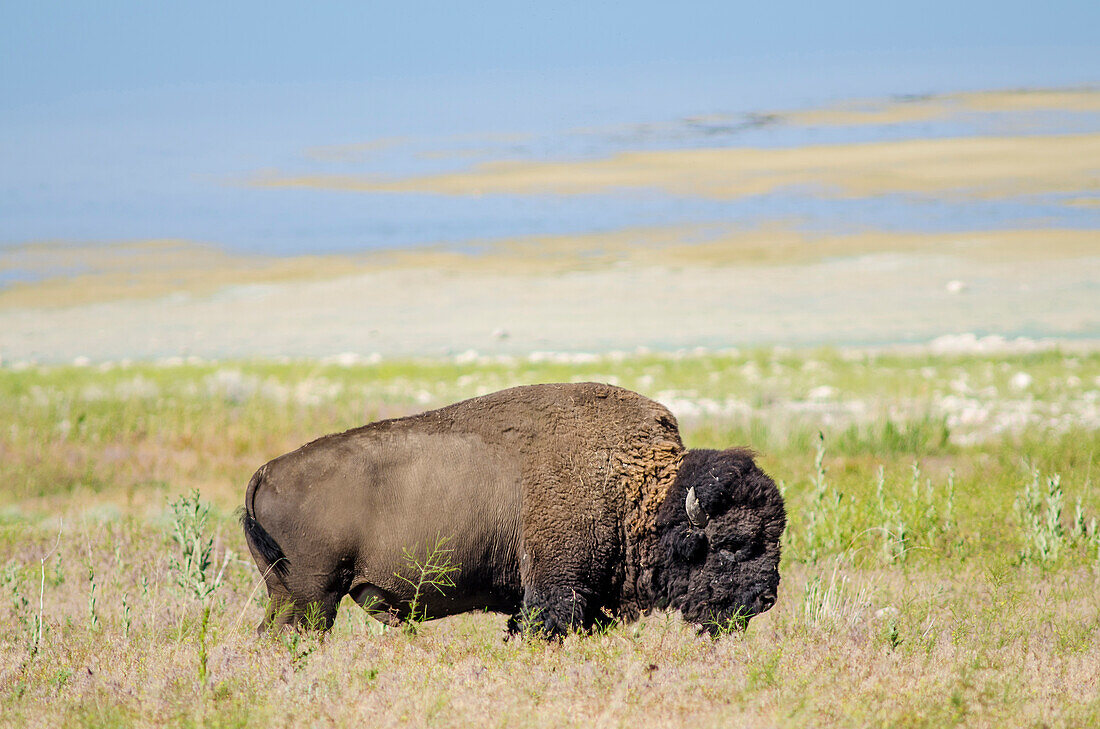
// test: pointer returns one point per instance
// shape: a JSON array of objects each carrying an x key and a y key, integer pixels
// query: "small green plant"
[
  {"x": 821, "y": 534},
  {"x": 11, "y": 577},
  {"x": 434, "y": 572},
  {"x": 60, "y": 678},
  {"x": 1092, "y": 538},
  {"x": 1079, "y": 530},
  {"x": 891, "y": 636},
  {"x": 832, "y": 602},
  {"x": 277, "y": 617},
  {"x": 194, "y": 567},
  {"x": 924, "y": 518},
  {"x": 1085, "y": 532},
  {"x": 733, "y": 625},
  {"x": 527, "y": 625},
  {"x": 314, "y": 618},
  {"x": 1039, "y": 507},
  {"x": 894, "y": 530},
  {"x": 93, "y": 616},
  {"x": 928, "y": 520},
  {"x": 1040, "y": 513},
  {"x": 127, "y": 619},
  {"x": 899, "y": 542},
  {"x": 39, "y": 627},
  {"x": 300, "y": 644},
  {"x": 605, "y": 624},
  {"x": 949, "y": 506}
]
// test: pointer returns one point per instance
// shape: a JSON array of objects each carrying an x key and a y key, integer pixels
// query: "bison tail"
[{"x": 262, "y": 543}]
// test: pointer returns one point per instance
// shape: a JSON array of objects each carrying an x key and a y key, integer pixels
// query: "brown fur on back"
[{"x": 595, "y": 456}]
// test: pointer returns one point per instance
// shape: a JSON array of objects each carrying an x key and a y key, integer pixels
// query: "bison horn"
[{"x": 696, "y": 515}]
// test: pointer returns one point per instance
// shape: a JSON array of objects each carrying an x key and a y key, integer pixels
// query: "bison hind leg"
[
  {"x": 279, "y": 616},
  {"x": 286, "y": 611}
]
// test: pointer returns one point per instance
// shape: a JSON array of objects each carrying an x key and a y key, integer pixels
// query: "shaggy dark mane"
[
  {"x": 738, "y": 499},
  {"x": 723, "y": 478}
]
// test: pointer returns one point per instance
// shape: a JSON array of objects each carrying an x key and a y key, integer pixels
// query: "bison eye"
[{"x": 739, "y": 553}]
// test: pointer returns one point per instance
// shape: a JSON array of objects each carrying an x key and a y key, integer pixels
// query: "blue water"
[{"x": 173, "y": 161}]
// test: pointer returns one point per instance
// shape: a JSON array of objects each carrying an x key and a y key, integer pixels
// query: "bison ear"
[{"x": 695, "y": 513}]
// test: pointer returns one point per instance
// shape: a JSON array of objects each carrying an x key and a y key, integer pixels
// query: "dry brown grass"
[
  {"x": 924, "y": 647},
  {"x": 958, "y": 631}
]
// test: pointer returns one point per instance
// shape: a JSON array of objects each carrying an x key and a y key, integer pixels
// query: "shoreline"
[
  {"x": 875, "y": 299},
  {"x": 947, "y": 346}
]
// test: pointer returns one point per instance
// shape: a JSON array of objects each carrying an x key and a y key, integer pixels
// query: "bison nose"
[{"x": 766, "y": 601}]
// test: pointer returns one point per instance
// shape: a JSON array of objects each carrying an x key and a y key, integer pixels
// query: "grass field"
[{"x": 941, "y": 565}]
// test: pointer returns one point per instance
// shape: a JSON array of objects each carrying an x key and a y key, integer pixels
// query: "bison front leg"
[
  {"x": 568, "y": 551},
  {"x": 551, "y": 611},
  {"x": 380, "y": 604}
]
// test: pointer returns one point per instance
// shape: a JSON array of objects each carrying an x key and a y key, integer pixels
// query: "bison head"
[{"x": 719, "y": 533}]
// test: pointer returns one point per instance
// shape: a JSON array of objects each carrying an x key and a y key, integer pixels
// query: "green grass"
[{"x": 920, "y": 587}]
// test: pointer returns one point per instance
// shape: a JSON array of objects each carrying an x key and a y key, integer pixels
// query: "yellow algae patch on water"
[
  {"x": 975, "y": 167},
  {"x": 776, "y": 246},
  {"x": 71, "y": 275},
  {"x": 1070, "y": 100},
  {"x": 879, "y": 111},
  {"x": 944, "y": 106}
]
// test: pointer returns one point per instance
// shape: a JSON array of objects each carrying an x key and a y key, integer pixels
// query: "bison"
[{"x": 560, "y": 504}]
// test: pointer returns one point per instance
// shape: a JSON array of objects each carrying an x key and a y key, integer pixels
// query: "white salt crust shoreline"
[{"x": 867, "y": 301}]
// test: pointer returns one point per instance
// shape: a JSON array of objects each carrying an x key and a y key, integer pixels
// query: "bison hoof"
[{"x": 536, "y": 623}]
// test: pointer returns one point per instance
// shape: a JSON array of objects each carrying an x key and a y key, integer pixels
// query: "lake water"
[{"x": 174, "y": 162}]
